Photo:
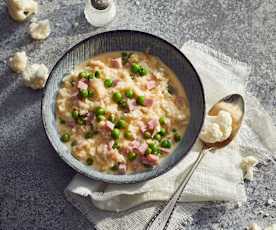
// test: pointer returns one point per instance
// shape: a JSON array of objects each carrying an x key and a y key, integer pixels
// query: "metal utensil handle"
[{"x": 159, "y": 221}]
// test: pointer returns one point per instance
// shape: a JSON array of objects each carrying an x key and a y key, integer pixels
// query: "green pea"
[
  {"x": 162, "y": 120},
  {"x": 97, "y": 74},
  {"x": 131, "y": 156},
  {"x": 117, "y": 97},
  {"x": 100, "y": 118},
  {"x": 80, "y": 121},
  {"x": 62, "y": 121},
  {"x": 115, "y": 133},
  {"x": 135, "y": 68},
  {"x": 73, "y": 143},
  {"x": 123, "y": 104},
  {"x": 162, "y": 132},
  {"x": 141, "y": 100},
  {"x": 65, "y": 137},
  {"x": 177, "y": 137},
  {"x": 86, "y": 74},
  {"x": 128, "y": 135},
  {"x": 166, "y": 144},
  {"x": 84, "y": 93},
  {"x": 121, "y": 124},
  {"x": 116, "y": 145},
  {"x": 99, "y": 111},
  {"x": 148, "y": 151},
  {"x": 157, "y": 137},
  {"x": 112, "y": 118},
  {"x": 88, "y": 135},
  {"x": 129, "y": 93},
  {"x": 108, "y": 83},
  {"x": 89, "y": 161},
  {"x": 90, "y": 93},
  {"x": 147, "y": 135},
  {"x": 143, "y": 71},
  {"x": 154, "y": 148},
  {"x": 75, "y": 114}
]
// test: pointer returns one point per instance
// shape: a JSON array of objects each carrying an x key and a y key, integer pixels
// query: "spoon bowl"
[{"x": 234, "y": 104}]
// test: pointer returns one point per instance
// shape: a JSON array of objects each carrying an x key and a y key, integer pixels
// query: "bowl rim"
[{"x": 134, "y": 179}]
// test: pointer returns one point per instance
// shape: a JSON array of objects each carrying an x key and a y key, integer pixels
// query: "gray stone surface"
[{"x": 32, "y": 177}]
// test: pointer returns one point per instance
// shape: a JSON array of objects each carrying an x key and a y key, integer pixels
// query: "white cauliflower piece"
[
  {"x": 35, "y": 76},
  {"x": 254, "y": 227},
  {"x": 271, "y": 227},
  {"x": 18, "y": 62},
  {"x": 20, "y": 10},
  {"x": 217, "y": 128},
  {"x": 247, "y": 166},
  {"x": 40, "y": 30}
]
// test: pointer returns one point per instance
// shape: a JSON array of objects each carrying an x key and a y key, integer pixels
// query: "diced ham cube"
[
  {"x": 151, "y": 125},
  {"x": 143, "y": 127},
  {"x": 150, "y": 160},
  {"x": 148, "y": 102},
  {"x": 142, "y": 148},
  {"x": 122, "y": 168},
  {"x": 165, "y": 151},
  {"x": 151, "y": 84},
  {"x": 82, "y": 85},
  {"x": 116, "y": 63}
]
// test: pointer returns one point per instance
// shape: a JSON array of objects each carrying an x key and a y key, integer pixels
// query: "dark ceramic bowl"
[{"x": 134, "y": 41}]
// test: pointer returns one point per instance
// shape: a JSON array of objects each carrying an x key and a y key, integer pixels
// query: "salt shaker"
[{"x": 99, "y": 12}]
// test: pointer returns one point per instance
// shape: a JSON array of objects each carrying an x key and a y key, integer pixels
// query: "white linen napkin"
[{"x": 218, "y": 178}]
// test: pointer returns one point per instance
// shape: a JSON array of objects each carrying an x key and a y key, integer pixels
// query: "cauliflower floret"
[
  {"x": 247, "y": 166},
  {"x": 18, "y": 62},
  {"x": 35, "y": 76},
  {"x": 20, "y": 10},
  {"x": 254, "y": 227},
  {"x": 271, "y": 227},
  {"x": 217, "y": 128},
  {"x": 40, "y": 30}
]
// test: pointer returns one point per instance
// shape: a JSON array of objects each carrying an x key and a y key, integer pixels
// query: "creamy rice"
[{"x": 121, "y": 112}]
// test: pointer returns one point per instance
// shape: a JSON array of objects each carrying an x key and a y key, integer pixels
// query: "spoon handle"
[{"x": 160, "y": 220}]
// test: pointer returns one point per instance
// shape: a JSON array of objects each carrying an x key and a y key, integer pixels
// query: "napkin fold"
[{"x": 218, "y": 178}]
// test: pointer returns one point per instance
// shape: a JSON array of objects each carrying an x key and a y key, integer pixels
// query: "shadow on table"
[
  {"x": 71, "y": 23},
  {"x": 208, "y": 213}
]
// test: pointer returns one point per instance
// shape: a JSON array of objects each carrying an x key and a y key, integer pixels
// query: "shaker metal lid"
[{"x": 100, "y": 4}]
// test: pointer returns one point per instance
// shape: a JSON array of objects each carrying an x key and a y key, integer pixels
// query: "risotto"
[{"x": 121, "y": 112}]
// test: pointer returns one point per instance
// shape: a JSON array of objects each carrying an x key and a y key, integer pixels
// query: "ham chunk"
[
  {"x": 82, "y": 85},
  {"x": 151, "y": 84},
  {"x": 116, "y": 63},
  {"x": 148, "y": 102},
  {"x": 122, "y": 168},
  {"x": 151, "y": 125},
  {"x": 150, "y": 160}
]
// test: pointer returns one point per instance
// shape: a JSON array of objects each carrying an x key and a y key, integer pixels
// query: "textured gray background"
[{"x": 32, "y": 177}]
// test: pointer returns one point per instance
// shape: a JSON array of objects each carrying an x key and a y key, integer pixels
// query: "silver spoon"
[{"x": 234, "y": 104}]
